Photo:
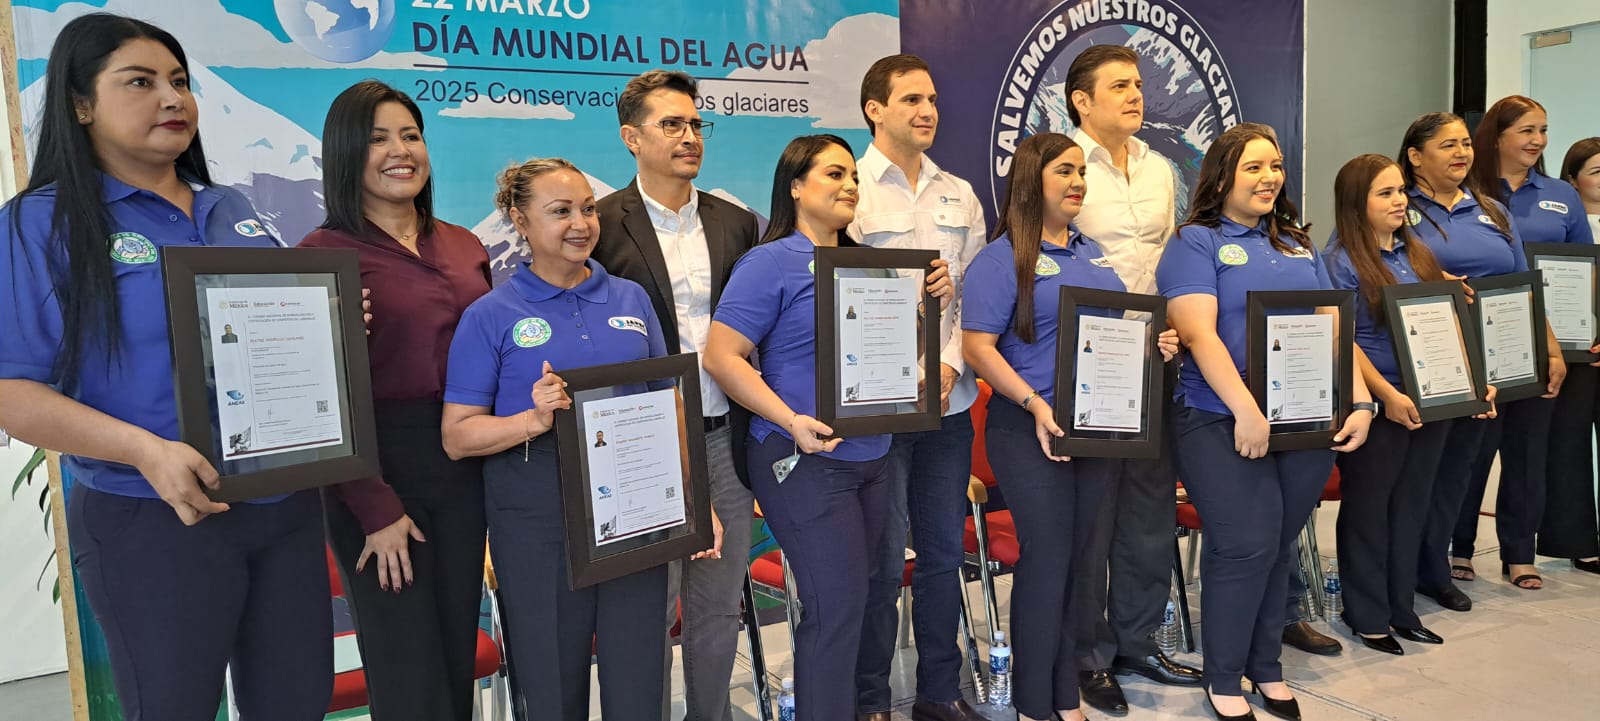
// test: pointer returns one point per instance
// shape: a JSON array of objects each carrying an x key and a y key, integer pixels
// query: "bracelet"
[
  {"x": 527, "y": 425},
  {"x": 1365, "y": 406},
  {"x": 1029, "y": 399}
]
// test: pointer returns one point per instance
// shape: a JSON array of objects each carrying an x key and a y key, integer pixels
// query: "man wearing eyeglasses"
[{"x": 681, "y": 244}]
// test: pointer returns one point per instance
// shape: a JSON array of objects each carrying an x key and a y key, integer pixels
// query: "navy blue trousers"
[
  {"x": 827, "y": 515},
  {"x": 1054, "y": 505},
  {"x": 179, "y": 604},
  {"x": 1571, "y": 524},
  {"x": 1253, "y": 510},
  {"x": 1461, "y": 447},
  {"x": 1521, "y": 433}
]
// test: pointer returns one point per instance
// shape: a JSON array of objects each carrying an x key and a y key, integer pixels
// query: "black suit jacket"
[{"x": 628, "y": 248}]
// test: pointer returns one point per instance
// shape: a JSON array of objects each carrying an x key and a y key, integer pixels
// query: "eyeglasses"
[{"x": 674, "y": 128}]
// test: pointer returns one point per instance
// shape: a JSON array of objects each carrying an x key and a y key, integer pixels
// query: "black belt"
[{"x": 715, "y": 422}]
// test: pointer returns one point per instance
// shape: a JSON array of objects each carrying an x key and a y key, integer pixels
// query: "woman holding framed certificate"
[
  {"x": 1243, "y": 235},
  {"x": 184, "y": 587},
  {"x": 1009, "y": 338},
  {"x": 1571, "y": 522},
  {"x": 1473, "y": 236},
  {"x": 824, "y": 498},
  {"x": 555, "y": 312}
]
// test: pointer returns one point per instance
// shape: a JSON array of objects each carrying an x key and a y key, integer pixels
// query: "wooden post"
[{"x": 69, "y": 596}]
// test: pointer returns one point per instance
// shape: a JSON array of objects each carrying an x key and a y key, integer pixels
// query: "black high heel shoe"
[
  {"x": 1384, "y": 643},
  {"x": 1288, "y": 709},
  {"x": 1419, "y": 634},
  {"x": 1249, "y": 715}
]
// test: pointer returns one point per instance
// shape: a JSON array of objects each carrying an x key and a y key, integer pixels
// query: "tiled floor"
[{"x": 1517, "y": 656}]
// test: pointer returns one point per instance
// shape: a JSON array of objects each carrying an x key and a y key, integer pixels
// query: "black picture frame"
[
  {"x": 1572, "y": 351},
  {"x": 923, "y": 414},
  {"x": 589, "y": 562},
  {"x": 1262, "y": 305},
  {"x": 1529, "y": 282},
  {"x": 189, "y": 273},
  {"x": 1453, "y": 406},
  {"x": 1101, "y": 443}
]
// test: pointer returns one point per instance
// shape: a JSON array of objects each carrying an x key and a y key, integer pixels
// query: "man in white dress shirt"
[{"x": 906, "y": 201}]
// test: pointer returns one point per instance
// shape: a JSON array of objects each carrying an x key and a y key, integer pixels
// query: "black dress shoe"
[
  {"x": 1302, "y": 636},
  {"x": 956, "y": 710},
  {"x": 1246, "y": 716},
  {"x": 1286, "y": 709},
  {"x": 1157, "y": 667},
  {"x": 1448, "y": 596},
  {"x": 1384, "y": 643},
  {"x": 1418, "y": 634},
  {"x": 1101, "y": 690}
]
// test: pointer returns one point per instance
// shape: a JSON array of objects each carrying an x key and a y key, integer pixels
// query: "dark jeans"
[
  {"x": 927, "y": 485},
  {"x": 246, "y": 589},
  {"x": 1571, "y": 525},
  {"x": 1253, "y": 510},
  {"x": 1522, "y": 434}
]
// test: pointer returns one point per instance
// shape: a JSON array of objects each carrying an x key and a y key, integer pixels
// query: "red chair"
[{"x": 990, "y": 540}]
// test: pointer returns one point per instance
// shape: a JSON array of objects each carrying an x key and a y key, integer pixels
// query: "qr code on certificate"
[
  {"x": 322, "y": 406},
  {"x": 672, "y": 492},
  {"x": 905, "y": 371}
]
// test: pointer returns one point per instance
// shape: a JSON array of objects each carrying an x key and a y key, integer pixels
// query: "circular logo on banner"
[
  {"x": 1189, "y": 93},
  {"x": 338, "y": 31},
  {"x": 530, "y": 332},
  {"x": 1233, "y": 254},
  {"x": 1046, "y": 266}
]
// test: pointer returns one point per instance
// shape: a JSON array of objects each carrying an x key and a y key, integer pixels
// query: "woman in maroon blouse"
[{"x": 410, "y": 543}]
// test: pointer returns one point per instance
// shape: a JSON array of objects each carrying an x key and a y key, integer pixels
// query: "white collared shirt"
[
  {"x": 1594, "y": 225},
  {"x": 682, "y": 237},
  {"x": 1131, "y": 216},
  {"x": 943, "y": 214}
]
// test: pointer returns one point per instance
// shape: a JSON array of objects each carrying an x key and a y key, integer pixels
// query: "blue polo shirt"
[
  {"x": 1372, "y": 335},
  {"x": 1545, "y": 210},
  {"x": 506, "y": 336},
  {"x": 771, "y": 301},
  {"x": 1463, "y": 238},
  {"x": 989, "y": 301},
  {"x": 136, "y": 385},
  {"x": 1228, "y": 262}
]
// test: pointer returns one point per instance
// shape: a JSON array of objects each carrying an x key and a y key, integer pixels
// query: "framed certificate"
[
  {"x": 877, "y": 340},
  {"x": 1509, "y": 316},
  {"x": 1571, "y": 297},
  {"x": 1300, "y": 363},
  {"x": 1436, "y": 343},
  {"x": 634, "y": 484},
  {"x": 1109, "y": 374},
  {"x": 269, "y": 366}
]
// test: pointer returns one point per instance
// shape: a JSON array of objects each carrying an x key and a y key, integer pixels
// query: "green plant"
[{"x": 25, "y": 478}]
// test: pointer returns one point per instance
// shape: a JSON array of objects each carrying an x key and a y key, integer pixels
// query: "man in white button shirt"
[
  {"x": 1129, "y": 210},
  {"x": 906, "y": 201},
  {"x": 680, "y": 244}
]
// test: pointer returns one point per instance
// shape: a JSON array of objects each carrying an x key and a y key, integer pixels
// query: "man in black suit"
[{"x": 681, "y": 244}]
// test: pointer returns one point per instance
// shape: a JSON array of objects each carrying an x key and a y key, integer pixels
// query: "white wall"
[
  {"x": 1510, "y": 22},
  {"x": 31, "y": 636},
  {"x": 1372, "y": 66}
]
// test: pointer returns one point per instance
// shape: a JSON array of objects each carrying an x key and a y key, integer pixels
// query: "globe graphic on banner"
[{"x": 339, "y": 31}]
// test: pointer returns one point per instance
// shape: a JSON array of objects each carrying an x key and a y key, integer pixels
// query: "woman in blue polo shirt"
[
  {"x": 1472, "y": 236},
  {"x": 501, "y": 393},
  {"x": 1386, "y": 483},
  {"x": 1242, "y": 235},
  {"x": 1009, "y": 338},
  {"x": 183, "y": 587},
  {"x": 825, "y": 500}
]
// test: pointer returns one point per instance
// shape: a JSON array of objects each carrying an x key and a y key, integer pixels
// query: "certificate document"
[
  {"x": 1569, "y": 299},
  {"x": 1110, "y": 374},
  {"x": 1507, "y": 335},
  {"x": 277, "y": 386},
  {"x": 877, "y": 322},
  {"x": 1438, "y": 354},
  {"x": 635, "y": 454},
  {"x": 1300, "y": 361}
]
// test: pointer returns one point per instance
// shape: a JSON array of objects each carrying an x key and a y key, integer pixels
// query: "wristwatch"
[{"x": 1368, "y": 407}]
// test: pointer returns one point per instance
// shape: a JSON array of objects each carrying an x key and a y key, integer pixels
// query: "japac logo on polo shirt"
[
  {"x": 1233, "y": 254},
  {"x": 1100, "y": 262},
  {"x": 530, "y": 332},
  {"x": 1298, "y": 253},
  {"x": 132, "y": 248},
  {"x": 1553, "y": 206},
  {"x": 1413, "y": 217},
  {"x": 1046, "y": 266},
  {"x": 1485, "y": 219},
  {"x": 251, "y": 228},
  {"x": 628, "y": 322}
]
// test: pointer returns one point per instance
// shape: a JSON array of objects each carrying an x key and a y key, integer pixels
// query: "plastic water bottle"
[
  {"x": 1000, "y": 671},
  {"x": 1333, "y": 590},
  {"x": 1168, "y": 634},
  {"x": 786, "y": 700}
]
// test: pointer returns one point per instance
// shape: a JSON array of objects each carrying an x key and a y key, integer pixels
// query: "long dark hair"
[
  {"x": 1351, "y": 188},
  {"x": 797, "y": 160},
  {"x": 1577, "y": 155},
  {"x": 346, "y": 135},
  {"x": 1217, "y": 170},
  {"x": 1022, "y": 215},
  {"x": 84, "y": 281},
  {"x": 1418, "y": 134},
  {"x": 1484, "y": 176}
]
